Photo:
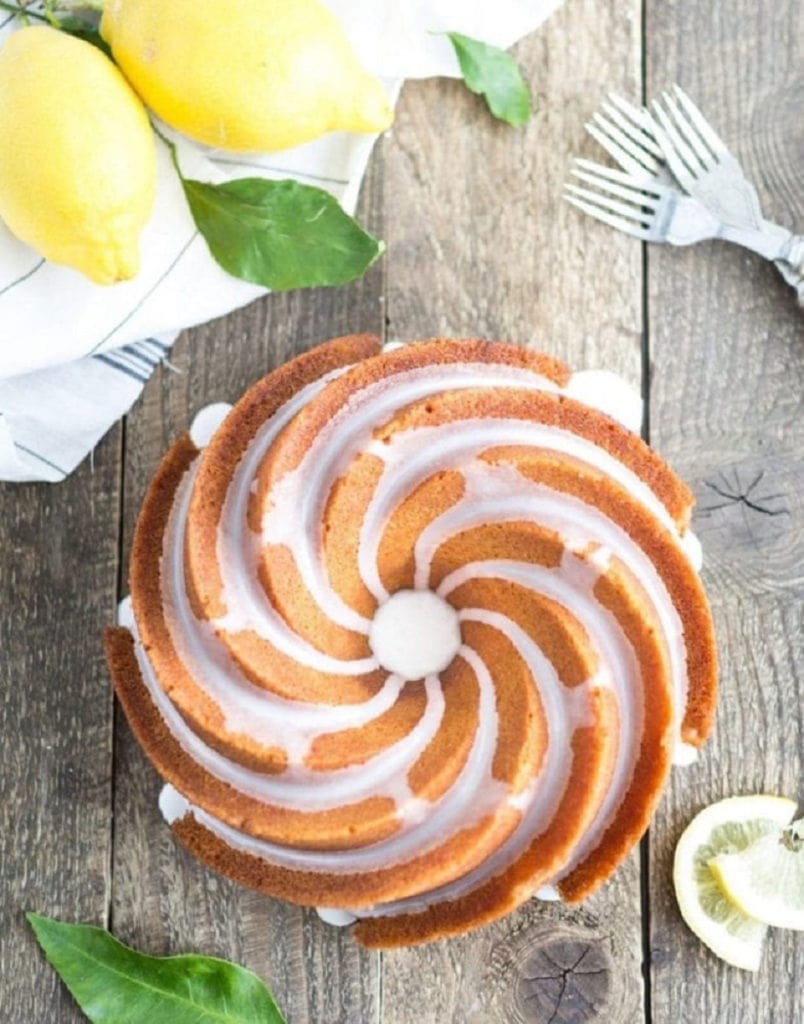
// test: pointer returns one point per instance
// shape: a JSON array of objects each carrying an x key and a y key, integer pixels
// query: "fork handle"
[{"x": 791, "y": 266}]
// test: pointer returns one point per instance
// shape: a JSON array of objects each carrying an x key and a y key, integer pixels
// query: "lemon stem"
[
  {"x": 49, "y": 14},
  {"x": 23, "y": 11},
  {"x": 78, "y": 5},
  {"x": 174, "y": 154}
]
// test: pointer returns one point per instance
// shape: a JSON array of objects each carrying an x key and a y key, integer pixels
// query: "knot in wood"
[{"x": 564, "y": 980}]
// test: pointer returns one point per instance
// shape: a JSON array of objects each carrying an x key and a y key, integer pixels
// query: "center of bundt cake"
[{"x": 415, "y": 633}]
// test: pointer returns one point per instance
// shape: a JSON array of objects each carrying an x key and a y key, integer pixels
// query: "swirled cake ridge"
[{"x": 415, "y": 633}]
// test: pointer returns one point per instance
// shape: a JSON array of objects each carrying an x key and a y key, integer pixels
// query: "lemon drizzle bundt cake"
[{"x": 416, "y": 634}]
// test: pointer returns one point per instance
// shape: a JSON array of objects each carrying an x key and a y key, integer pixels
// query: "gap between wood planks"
[
  {"x": 120, "y": 587},
  {"x": 644, "y": 845}
]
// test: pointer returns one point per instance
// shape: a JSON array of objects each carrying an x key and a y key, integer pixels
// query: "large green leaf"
[
  {"x": 116, "y": 985},
  {"x": 493, "y": 74},
  {"x": 280, "y": 234}
]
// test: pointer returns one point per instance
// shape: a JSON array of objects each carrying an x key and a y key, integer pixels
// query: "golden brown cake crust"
[
  {"x": 260, "y": 402},
  {"x": 502, "y": 616}
]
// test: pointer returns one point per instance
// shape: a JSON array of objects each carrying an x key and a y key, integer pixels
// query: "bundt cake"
[{"x": 415, "y": 633}]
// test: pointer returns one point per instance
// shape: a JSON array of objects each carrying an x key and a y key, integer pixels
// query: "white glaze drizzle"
[
  {"x": 500, "y": 494},
  {"x": 247, "y": 606},
  {"x": 609, "y": 393},
  {"x": 207, "y": 421},
  {"x": 538, "y": 801},
  {"x": 300, "y": 788},
  {"x": 413, "y": 458},
  {"x": 474, "y": 795},
  {"x": 247, "y": 709},
  {"x": 294, "y": 508},
  {"x": 294, "y": 513},
  {"x": 337, "y": 918}
]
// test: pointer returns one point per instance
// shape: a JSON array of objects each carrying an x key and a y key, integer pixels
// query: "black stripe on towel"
[
  {"x": 137, "y": 352},
  {"x": 24, "y": 277},
  {"x": 110, "y": 361},
  {"x": 41, "y": 458}
]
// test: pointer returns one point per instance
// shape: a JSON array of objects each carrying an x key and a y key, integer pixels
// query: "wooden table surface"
[{"x": 479, "y": 243}]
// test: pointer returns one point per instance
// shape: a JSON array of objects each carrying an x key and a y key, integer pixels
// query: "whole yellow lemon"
[
  {"x": 77, "y": 154},
  {"x": 247, "y": 75}
]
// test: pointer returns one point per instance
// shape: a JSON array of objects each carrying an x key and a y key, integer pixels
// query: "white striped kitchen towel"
[{"x": 72, "y": 354}]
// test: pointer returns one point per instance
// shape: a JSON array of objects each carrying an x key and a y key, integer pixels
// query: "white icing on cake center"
[{"x": 415, "y": 633}]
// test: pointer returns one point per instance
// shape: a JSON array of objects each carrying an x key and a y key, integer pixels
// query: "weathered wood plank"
[
  {"x": 728, "y": 375},
  {"x": 480, "y": 244},
  {"x": 163, "y": 899},
  {"x": 58, "y": 576}
]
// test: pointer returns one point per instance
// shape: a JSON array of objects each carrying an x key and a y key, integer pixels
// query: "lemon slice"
[
  {"x": 766, "y": 880},
  {"x": 728, "y": 826}
]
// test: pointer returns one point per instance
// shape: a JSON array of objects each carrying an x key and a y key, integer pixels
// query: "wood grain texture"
[
  {"x": 164, "y": 900},
  {"x": 57, "y": 585},
  {"x": 727, "y": 350},
  {"x": 480, "y": 244}
]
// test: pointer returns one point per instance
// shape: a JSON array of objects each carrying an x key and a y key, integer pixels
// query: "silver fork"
[
  {"x": 640, "y": 206},
  {"x": 663, "y": 152},
  {"x": 626, "y": 133},
  {"x": 701, "y": 163},
  {"x": 707, "y": 170}
]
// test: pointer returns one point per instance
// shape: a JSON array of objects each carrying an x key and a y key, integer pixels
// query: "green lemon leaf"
[
  {"x": 280, "y": 234},
  {"x": 493, "y": 74},
  {"x": 116, "y": 985}
]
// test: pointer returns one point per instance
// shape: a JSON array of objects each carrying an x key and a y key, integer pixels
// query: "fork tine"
[
  {"x": 602, "y": 171},
  {"x": 619, "y": 146},
  {"x": 615, "y": 222},
  {"x": 677, "y": 137},
  {"x": 631, "y": 194},
  {"x": 625, "y": 161},
  {"x": 619, "y": 124},
  {"x": 704, "y": 128},
  {"x": 616, "y": 133},
  {"x": 639, "y": 115},
  {"x": 693, "y": 140},
  {"x": 675, "y": 150},
  {"x": 627, "y": 210},
  {"x": 633, "y": 124}
]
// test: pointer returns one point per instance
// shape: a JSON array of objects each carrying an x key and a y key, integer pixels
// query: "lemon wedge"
[
  {"x": 727, "y": 827},
  {"x": 766, "y": 880}
]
